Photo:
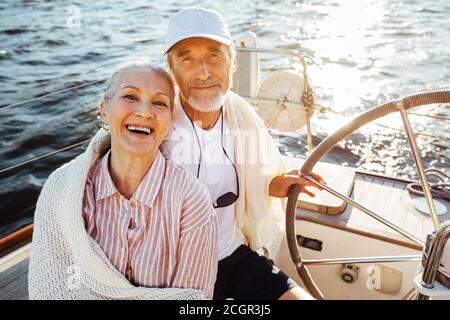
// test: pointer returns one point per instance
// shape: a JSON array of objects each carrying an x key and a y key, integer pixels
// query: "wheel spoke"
[
  {"x": 362, "y": 260},
  {"x": 410, "y": 295},
  {"x": 367, "y": 211},
  {"x": 419, "y": 164}
]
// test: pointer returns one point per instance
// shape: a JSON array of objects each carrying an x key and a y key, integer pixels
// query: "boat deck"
[
  {"x": 14, "y": 274},
  {"x": 386, "y": 196}
]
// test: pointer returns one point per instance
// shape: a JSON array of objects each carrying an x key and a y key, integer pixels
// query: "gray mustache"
[{"x": 205, "y": 83}]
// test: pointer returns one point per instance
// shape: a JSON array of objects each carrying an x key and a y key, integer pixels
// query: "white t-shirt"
[{"x": 216, "y": 170}]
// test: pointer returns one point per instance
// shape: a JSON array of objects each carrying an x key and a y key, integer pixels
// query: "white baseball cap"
[{"x": 196, "y": 22}]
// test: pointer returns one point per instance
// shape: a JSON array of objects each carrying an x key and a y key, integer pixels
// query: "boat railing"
[{"x": 290, "y": 52}]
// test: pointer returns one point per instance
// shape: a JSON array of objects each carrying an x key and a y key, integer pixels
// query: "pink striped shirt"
[{"x": 164, "y": 236}]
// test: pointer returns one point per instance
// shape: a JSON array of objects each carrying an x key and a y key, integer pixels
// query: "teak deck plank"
[{"x": 14, "y": 282}]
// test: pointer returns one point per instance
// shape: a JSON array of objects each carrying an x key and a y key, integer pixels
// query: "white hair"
[{"x": 142, "y": 64}]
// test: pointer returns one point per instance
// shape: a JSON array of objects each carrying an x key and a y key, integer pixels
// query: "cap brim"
[{"x": 225, "y": 41}]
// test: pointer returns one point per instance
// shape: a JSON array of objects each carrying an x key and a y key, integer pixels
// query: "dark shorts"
[{"x": 245, "y": 275}]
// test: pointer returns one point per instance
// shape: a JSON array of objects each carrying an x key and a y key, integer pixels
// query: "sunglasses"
[{"x": 226, "y": 199}]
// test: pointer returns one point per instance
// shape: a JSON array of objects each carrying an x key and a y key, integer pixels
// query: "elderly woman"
[{"x": 120, "y": 221}]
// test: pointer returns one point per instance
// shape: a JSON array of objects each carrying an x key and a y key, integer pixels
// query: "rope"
[
  {"x": 308, "y": 101},
  {"x": 440, "y": 190},
  {"x": 51, "y": 94},
  {"x": 307, "y": 98},
  {"x": 43, "y": 156}
]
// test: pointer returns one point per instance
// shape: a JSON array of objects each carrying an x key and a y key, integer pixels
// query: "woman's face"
[{"x": 139, "y": 112}]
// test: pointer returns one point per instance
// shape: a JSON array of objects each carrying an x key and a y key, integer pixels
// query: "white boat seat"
[{"x": 338, "y": 177}]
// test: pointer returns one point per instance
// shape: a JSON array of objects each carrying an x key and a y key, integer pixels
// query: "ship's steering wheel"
[{"x": 326, "y": 145}]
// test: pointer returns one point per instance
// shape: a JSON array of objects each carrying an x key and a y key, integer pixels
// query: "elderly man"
[{"x": 220, "y": 139}]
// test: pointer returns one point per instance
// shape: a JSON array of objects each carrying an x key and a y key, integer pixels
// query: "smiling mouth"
[{"x": 139, "y": 130}]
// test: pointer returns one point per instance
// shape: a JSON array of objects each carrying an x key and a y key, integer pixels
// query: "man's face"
[{"x": 202, "y": 69}]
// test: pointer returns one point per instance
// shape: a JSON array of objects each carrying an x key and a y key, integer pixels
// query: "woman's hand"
[{"x": 279, "y": 186}]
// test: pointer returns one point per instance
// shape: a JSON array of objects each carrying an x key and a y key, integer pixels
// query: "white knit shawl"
[{"x": 65, "y": 262}]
